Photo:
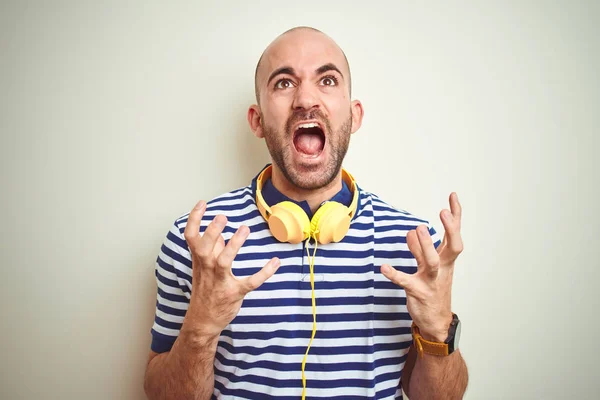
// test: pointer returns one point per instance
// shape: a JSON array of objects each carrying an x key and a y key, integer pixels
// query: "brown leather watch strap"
[{"x": 425, "y": 346}]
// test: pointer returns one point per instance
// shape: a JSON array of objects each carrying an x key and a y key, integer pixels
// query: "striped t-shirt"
[{"x": 363, "y": 327}]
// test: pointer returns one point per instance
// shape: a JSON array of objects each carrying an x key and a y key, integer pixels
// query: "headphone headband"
[{"x": 265, "y": 210}]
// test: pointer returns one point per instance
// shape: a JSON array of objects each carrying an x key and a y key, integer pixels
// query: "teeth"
[{"x": 309, "y": 125}]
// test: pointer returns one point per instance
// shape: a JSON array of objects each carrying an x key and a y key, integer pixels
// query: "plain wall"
[{"x": 116, "y": 118}]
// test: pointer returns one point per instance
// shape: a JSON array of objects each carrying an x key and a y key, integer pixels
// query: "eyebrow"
[
  {"x": 290, "y": 71},
  {"x": 328, "y": 67},
  {"x": 281, "y": 71}
]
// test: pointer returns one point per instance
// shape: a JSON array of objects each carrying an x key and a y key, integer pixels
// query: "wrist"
[
  {"x": 437, "y": 332},
  {"x": 438, "y": 337},
  {"x": 198, "y": 326}
]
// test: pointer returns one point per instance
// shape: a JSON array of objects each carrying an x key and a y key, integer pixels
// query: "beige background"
[{"x": 116, "y": 118}]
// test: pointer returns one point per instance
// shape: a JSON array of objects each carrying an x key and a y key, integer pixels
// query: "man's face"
[{"x": 306, "y": 115}]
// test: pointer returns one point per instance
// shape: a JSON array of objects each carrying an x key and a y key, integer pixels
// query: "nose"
[{"x": 305, "y": 98}]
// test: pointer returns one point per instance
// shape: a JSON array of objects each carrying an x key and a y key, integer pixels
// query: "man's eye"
[
  {"x": 283, "y": 84},
  {"x": 329, "y": 81}
]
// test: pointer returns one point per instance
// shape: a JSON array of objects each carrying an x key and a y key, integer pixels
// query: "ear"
[
  {"x": 254, "y": 118},
  {"x": 357, "y": 115}
]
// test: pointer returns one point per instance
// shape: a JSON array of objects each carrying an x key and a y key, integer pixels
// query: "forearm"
[
  {"x": 438, "y": 378},
  {"x": 185, "y": 372}
]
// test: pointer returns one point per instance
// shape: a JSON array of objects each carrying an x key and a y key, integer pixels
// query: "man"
[{"x": 329, "y": 314}]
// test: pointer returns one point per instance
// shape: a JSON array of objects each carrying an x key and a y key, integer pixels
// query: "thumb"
[
  {"x": 399, "y": 278},
  {"x": 254, "y": 281}
]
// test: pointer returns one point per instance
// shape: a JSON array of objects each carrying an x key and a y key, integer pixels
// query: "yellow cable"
[{"x": 314, "y": 308}]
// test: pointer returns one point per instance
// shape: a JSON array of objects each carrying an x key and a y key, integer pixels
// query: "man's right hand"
[{"x": 217, "y": 294}]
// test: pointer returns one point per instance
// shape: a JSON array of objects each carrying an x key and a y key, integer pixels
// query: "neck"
[{"x": 314, "y": 197}]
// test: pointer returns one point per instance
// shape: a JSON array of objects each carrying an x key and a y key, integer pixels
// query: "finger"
[
  {"x": 253, "y": 282},
  {"x": 228, "y": 254},
  {"x": 430, "y": 255},
  {"x": 399, "y": 278},
  {"x": 211, "y": 236},
  {"x": 452, "y": 235},
  {"x": 414, "y": 246},
  {"x": 455, "y": 207},
  {"x": 192, "y": 228},
  {"x": 442, "y": 245},
  {"x": 219, "y": 246}
]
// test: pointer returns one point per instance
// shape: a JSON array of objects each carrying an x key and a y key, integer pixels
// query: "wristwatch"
[{"x": 435, "y": 348}]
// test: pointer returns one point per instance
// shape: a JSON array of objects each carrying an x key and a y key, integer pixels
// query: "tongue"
[{"x": 309, "y": 143}]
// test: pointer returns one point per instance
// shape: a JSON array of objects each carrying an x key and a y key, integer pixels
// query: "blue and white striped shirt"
[{"x": 363, "y": 326}]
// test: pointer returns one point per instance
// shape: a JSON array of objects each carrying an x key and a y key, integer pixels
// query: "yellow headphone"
[{"x": 289, "y": 223}]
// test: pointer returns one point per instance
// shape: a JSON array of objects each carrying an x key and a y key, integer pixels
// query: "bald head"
[{"x": 294, "y": 40}]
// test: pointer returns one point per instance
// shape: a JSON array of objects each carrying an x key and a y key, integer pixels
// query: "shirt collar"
[{"x": 273, "y": 196}]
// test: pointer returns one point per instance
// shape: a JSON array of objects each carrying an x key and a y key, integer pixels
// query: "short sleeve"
[{"x": 173, "y": 270}]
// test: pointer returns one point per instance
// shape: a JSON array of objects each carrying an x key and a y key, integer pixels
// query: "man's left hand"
[{"x": 429, "y": 290}]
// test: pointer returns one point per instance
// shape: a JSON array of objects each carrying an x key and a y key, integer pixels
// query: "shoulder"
[
  {"x": 237, "y": 205},
  {"x": 384, "y": 213},
  {"x": 392, "y": 222}
]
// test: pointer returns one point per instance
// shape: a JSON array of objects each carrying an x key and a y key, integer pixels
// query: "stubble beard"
[{"x": 280, "y": 147}]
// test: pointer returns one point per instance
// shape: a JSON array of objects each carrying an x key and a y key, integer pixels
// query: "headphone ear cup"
[
  {"x": 289, "y": 223},
  {"x": 331, "y": 222}
]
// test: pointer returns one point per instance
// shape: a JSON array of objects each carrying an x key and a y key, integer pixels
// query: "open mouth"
[{"x": 309, "y": 139}]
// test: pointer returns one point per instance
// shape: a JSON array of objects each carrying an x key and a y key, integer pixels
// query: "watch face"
[{"x": 457, "y": 336}]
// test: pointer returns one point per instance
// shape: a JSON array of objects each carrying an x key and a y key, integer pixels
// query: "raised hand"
[
  {"x": 217, "y": 294},
  {"x": 429, "y": 290}
]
